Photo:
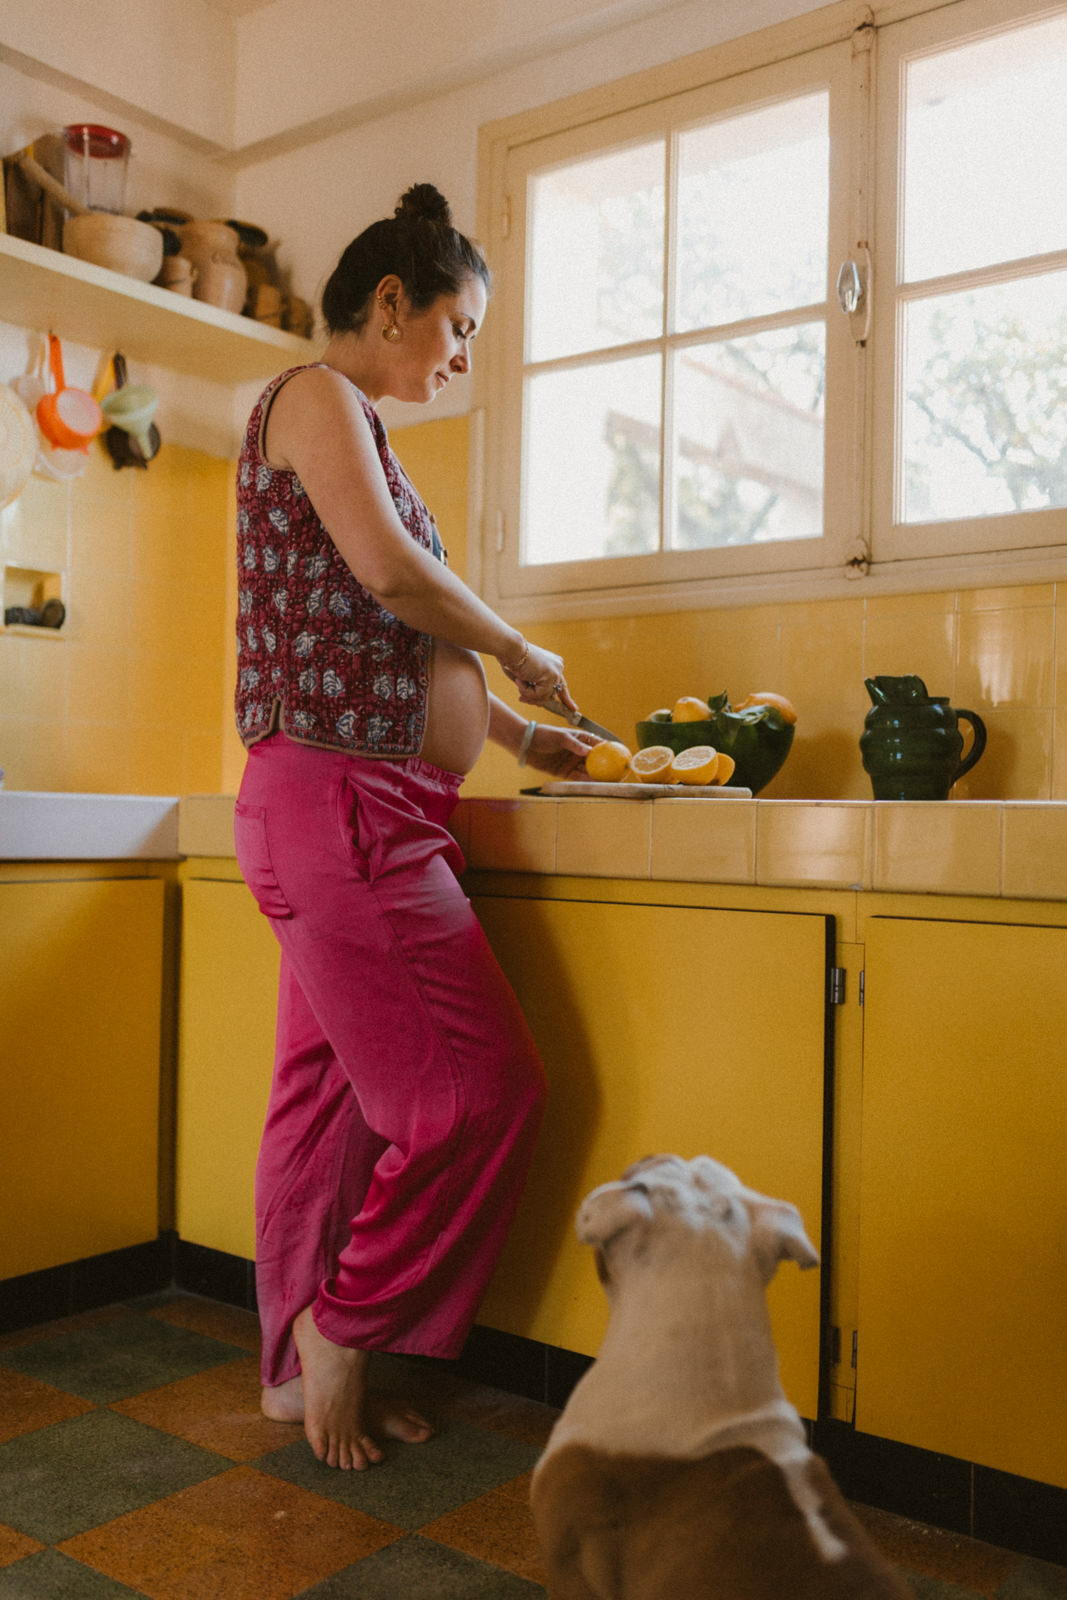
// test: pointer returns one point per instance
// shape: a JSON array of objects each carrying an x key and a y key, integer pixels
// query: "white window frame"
[
  {"x": 971, "y": 537},
  {"x": 862, "y": 551}
]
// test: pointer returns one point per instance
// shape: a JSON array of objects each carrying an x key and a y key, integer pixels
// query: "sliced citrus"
[
  {"x": 724, "y": 769},
  {"x": 690, "y": 709},
  {"x": 607, "y": 762},
  {"x": 653, "y": 764},
  {"x": 698, "y": 764},
  {"x": 764, "y": 698}
]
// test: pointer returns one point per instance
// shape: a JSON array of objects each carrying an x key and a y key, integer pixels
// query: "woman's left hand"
[{"x": 560, "y": 752}]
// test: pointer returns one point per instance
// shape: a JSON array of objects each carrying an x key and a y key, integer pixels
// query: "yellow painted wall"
[{"x": 129, "y": 701}]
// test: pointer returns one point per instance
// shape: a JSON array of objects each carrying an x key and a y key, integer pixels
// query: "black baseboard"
[
  {"x": 1016, "y": 1513},
  {"x": 86, "y": 1285}
]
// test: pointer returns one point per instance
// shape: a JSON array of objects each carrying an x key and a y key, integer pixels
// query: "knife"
[{"x": 576, "y": 720}]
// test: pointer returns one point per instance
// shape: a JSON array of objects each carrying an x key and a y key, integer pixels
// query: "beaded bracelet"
[{"x": 527, "y": 741}]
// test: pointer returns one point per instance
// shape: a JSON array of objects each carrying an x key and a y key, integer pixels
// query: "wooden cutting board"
[{"x": 643, "y": 791}]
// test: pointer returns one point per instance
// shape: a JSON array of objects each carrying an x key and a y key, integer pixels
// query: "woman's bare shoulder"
[{"x": 314, "y": 401}]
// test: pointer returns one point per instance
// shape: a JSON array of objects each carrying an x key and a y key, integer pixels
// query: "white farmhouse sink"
[{"x": 39, "y": 825}]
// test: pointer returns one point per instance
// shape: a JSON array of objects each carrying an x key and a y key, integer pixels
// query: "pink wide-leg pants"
[{"x": 407, "y": 1090}]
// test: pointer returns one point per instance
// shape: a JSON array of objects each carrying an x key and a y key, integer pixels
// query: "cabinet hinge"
[
  {"x": 837, "y": 986},
  {"x": 505, "y": 217},
  {"x": 855, "y": 1346},
  {"x": 863, "y": 985}
]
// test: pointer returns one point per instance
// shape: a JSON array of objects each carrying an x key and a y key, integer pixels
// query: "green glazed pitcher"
[{"x": 911, "y": 742}]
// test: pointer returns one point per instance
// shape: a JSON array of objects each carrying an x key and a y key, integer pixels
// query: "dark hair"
[{"x": 418, "y": 243}]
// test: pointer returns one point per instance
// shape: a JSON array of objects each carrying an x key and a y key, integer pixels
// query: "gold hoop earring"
[{"x": 391, "y": 332}]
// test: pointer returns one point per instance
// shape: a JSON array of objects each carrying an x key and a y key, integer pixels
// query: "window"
[
  {"x": 972, "y": 340},
  {"x": 685, "y": 402}
]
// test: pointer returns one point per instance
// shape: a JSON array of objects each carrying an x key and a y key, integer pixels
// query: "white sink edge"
[{"x": 47, "y": 825}]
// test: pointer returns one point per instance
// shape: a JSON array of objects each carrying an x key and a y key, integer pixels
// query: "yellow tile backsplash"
[
  {"x": 129, "y": 699},
  {"x": 147, "y": 558}
]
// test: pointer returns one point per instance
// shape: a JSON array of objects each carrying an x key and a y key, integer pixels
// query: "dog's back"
[{"x": 679, "y": 1470}]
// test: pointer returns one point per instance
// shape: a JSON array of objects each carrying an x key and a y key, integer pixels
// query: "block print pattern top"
[{"x": 317, "y": 656}]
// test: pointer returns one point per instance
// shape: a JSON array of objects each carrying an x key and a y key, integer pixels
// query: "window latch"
[{"x": 853, "y": 291}]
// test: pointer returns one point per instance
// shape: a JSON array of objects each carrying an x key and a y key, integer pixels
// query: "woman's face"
[{"x": 434, "y": 346}]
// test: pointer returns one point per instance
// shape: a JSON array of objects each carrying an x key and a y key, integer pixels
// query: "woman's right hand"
[{"x": 539, "y": 677}]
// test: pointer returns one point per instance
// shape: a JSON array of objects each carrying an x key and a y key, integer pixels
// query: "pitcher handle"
[{"x": 977, "y": 743}]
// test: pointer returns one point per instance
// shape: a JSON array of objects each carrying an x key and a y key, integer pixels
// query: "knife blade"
[{"x": 576, "y": 720}]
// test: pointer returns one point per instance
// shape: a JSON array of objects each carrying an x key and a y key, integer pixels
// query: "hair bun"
[{"x": 423, "y": 200}]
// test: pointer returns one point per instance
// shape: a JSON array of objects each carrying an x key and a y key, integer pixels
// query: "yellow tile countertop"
[{"x": 1011, "y": 849}]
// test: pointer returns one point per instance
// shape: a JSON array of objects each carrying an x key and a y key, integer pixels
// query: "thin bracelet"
[
  {"x": 527, "y": 741},
  {"x": 521, "y": 662}
]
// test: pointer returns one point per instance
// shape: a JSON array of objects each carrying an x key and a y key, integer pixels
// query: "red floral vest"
[{"x": 317, "y": 656}]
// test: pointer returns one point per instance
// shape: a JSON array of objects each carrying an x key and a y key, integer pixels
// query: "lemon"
[
  {"x": 690, "y": 709},
  {"x": 764, "y": 698},
  {"x": 698, "y": 764},
  {"x": 607, "y": 762},
  {"x": 724, "y": 769},
  {"x": 653, "y": 764}
]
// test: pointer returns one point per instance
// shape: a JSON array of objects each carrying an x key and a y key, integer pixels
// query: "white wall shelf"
[{"x": 48, "y": 291}]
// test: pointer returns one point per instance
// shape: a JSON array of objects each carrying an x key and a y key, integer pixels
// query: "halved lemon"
[
  {"x": 607, "y": 762},
  {"x": 764, "y": 698},
  {"x": 653, "y": 764},
  {"x": 724, "y": 769},
  {"x": 698, "y": 764},
  {"x": 690, "y": 709}
]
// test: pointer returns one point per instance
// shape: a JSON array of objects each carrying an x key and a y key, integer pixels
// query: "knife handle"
[{"x": 558, "y": 709}]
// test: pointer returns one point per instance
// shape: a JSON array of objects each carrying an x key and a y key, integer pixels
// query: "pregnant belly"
[{"x": 457, "y": 714}]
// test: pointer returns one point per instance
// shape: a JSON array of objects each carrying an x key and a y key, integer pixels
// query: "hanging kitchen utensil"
[
  {"x": 133, "y": 438},
  {"x": 69, "y": 418}
]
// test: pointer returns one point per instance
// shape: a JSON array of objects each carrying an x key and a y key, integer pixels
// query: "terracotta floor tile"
[
  {"x": 934, "y": 1553},
  {"x": 215, "y": 1321},
  {"x": 241, "y": 1535},
  {"x": 26, "y": 1404},
  {"x": 218, "y": 1409},
  {"x": 50, "y": 1330},
  {"x": 527, "y": 1420},
  {"x": 498, "y": 1527},
  {"x": 13, "y": 1546}
]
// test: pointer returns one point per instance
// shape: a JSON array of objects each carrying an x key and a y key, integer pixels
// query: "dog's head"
[{"x": 702, "y": 1196}]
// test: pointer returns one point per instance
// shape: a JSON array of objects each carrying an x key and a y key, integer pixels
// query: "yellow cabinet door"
[
  {"x": 663, "y": 1028},
  {"x": 81, "y": 973},
  {"x": 228, "y": 999},
  {"x": 963, "y": 1219}
]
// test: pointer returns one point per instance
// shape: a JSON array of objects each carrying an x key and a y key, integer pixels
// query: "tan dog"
[{"x": 679, "y": 1470}]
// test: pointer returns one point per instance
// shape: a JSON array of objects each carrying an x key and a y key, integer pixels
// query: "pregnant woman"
[{"x": 407, "y": 1091}]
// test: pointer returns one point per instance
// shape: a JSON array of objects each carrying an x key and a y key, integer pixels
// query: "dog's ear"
[
  {"x": 610, "y": 1210},
  {"x": 778, "y": 1234}
]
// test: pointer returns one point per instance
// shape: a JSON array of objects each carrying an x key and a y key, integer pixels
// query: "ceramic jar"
[
  {"x": 220, "y": 277},
  {"x": 911, "y": 742}
]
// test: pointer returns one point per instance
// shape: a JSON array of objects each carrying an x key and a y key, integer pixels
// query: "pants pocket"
[{"x": 254, "y": 860}]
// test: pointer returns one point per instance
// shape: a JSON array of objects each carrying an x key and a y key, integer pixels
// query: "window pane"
[
  {"x": 596, "y": 256},
  {"x": 752, "y": 213},
  {"x": 985, "y": 135},
  {"x": 985, "y": 386},
  {"x": 749, "y": 439},
  {"x": 592, "y": 469}
]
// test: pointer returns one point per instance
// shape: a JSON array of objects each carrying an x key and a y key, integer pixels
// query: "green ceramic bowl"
[{"x": 759, "y": 739}]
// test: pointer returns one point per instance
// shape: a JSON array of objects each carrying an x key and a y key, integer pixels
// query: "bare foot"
[
  {"x": 284, "y": 1402},
  {"x": 337, "y": 1411}
]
